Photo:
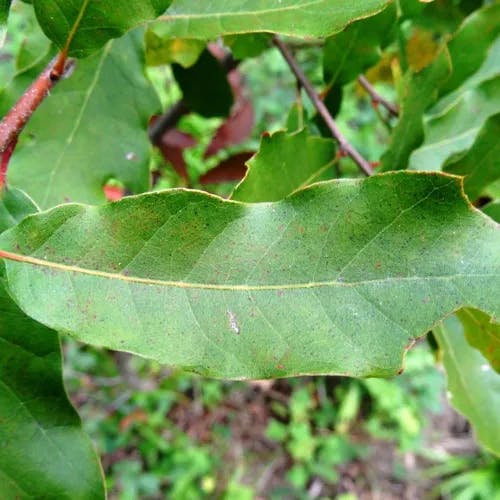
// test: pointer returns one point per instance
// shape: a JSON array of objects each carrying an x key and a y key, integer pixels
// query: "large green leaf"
[
  {"x": 285, "y": 162},
  {"x": 451, "y": 133},
  {"x": 15, "y": 205},
  {"x": 469, "y": 47},
  {"x": 482, "y": 334},
  {"x": 420, "y": 91},
  {"x": 481, "y": 164},
  {"x": 358, "y": 47},
  {"x": 43, "y": 451},
  {"x": 338, "y": 278},
  {"x": 93, "y": 128},
  {"x": 93, "y": 22},
  {"x": 473, "y": 386},
  {"x": 318, "y": 18}
]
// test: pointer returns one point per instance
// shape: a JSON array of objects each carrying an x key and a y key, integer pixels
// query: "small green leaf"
[
  {"x": 482, "y": 334},
  {"x": 212, "y": 98},
  {"x": 489, "y": 70},
  {"x": 93, "y": 128},
  {"x": 285, "y": 162},
  {"x": 15, "y": 205},
  {"x": 337, "y": 279},
  {"x": 206, "y": 20},
  {"x": 450, "y": 134},
  {"x": 91, "y": 23},
  {"x": 480, "y": 165},
  {"x": 420, "y": 91},
  {"x": 473, "y": 386},
  {"x": 358, "y": 47},
  {"x": 469, "y": 47}
]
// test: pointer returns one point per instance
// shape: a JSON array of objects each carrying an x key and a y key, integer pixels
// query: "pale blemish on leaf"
[{"x": 233, "y": 322}]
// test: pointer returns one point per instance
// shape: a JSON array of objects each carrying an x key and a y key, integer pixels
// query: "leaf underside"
[
  {"x": 206, "y": 20},
  {"x": 473, "y": 386},
  {"x": 336, "y": 279},
  {"x": 44, "y": 452}
]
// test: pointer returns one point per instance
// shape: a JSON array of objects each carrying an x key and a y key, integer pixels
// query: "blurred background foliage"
[{"x": 167, "y": 434}]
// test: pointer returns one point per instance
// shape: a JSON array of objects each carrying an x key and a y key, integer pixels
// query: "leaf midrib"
[{"x": 223, "y": 287}]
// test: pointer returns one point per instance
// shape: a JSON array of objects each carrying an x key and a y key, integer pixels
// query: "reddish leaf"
[
  {"x": 232, "y": 169},
  {"x": 235, "y": 129},
  {"x": 113, "y": 193},
  {"x": 173, "y": 143},
  {"x": 239, "y": 124}
]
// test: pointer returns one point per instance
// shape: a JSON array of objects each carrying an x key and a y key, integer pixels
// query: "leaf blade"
[
  {"x": 475, "y": 391},
  {"x": 480, "y": 164},
  {"x": 15, "y": 205},
  {"x": 482, "y": 334},
  {"x": 307, "y": 297},
  {"x": 284, "y": 163},
  {"x": 421, "y": 90},
  {"x": 89, "y": 25},
  {"x": 187, "y": 19}
]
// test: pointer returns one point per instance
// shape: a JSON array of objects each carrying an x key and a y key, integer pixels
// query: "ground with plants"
[{"x": 163, "y": 433}]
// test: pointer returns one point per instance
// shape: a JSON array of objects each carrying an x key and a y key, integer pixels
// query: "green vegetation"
[{"x": 266, "y": 237}]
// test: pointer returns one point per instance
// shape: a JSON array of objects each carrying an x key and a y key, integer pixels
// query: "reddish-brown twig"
[
  {"x": 4, "y": 162},
  {"x": 377, "y": 98},
  {"x": 345, "y": 147},
  {"x": 16, "y": 119}
]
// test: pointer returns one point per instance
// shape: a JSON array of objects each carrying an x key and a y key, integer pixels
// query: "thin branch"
[
  {"x": 166, "y": 122},
  {"x": 377, "y": 98},
  {"x": 345, "y": 147},
  {"x": 171, "y": 117},
  {"x": 15, "y": 120}
]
